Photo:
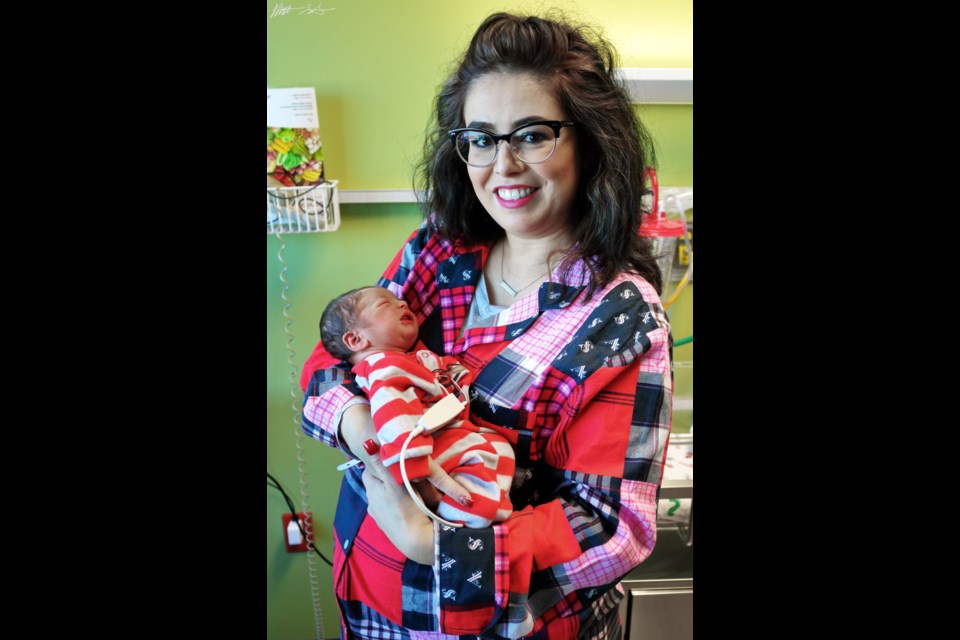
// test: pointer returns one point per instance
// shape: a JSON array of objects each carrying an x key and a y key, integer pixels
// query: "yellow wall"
[{"x": 375, "y": 65}]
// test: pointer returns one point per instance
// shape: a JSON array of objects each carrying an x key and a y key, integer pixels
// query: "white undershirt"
[{"x": 482, "y": 313}]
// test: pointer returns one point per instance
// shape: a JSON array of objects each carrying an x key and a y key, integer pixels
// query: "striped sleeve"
[{"x": 391, "y": 381}]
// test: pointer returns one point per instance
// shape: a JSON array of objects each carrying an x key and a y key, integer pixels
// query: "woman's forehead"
[{"x": 505, "y": 98}]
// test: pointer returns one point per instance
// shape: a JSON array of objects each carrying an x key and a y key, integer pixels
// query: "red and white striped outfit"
[{"x": 401, "y": 387}]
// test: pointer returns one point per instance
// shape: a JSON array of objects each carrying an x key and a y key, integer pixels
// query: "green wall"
[
  {"x": 319, "y": 266},
  {"x": 375, "y": 65}
]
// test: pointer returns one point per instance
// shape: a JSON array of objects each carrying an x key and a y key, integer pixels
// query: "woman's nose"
[{"x": 506, "y": 163}]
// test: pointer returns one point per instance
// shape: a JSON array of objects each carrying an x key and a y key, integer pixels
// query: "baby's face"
[{"x": 386, "y": 321}]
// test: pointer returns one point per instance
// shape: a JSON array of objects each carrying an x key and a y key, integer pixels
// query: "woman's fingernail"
[
  {"x": 371, "y": 447},
  {"x": 466, "y": 501}
]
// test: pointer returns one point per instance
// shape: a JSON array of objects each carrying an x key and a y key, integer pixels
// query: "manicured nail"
[
  {"x": 371, "y": 447},
  {"x": 466, "y": 501}
]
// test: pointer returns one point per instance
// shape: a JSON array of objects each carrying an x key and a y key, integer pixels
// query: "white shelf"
[
  {"x": 377, "y": 196},
  {"x": 356, "y": 196},
  {"x": 659, "y": 85},
  {"x": 679, "y": 489}
]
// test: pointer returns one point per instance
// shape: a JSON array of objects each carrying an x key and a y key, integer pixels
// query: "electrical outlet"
[{"x": 292, "y": 537}]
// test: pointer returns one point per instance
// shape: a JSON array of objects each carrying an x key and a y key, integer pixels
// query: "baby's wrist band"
[{"x": 370, "y": 446}]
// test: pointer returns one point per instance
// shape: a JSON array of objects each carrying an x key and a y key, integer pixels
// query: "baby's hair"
[{"x": 339, "y": 317}]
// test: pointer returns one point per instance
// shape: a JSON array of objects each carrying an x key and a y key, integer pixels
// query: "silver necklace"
[{"x": 503, "y": 283}]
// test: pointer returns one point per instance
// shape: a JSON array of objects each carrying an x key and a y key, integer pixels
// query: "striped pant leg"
[{"x": 483, "y": 463}]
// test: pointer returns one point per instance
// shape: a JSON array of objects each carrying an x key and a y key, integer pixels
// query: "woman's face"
[{"x": 526, "y": 200}]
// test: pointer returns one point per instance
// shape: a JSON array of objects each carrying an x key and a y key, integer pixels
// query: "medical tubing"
[
  {"x": 686, "y": 239},
  {"x": 406, "y": 481}
]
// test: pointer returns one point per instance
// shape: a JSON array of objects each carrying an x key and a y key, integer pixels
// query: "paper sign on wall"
[{"x": 294, "y": 148}]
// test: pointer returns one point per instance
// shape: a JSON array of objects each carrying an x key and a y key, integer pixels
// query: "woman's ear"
[{"x": 354, "y": 341}]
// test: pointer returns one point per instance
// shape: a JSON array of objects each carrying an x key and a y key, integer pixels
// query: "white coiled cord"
[{"x": 301, "y": 459}]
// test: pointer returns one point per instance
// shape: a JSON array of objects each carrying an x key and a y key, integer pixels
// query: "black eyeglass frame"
[{"x": 556, "y": 125}]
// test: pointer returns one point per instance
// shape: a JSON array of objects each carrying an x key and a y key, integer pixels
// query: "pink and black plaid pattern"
[
  {"x": 455, "y": 303},
  {"x": 419, "y": 291},
  {"x": 587, "y": 388},
  {"x": 365, "y": 622},
  {"x": 324, "y": 402},
  {"x": 480, "y": 335}
]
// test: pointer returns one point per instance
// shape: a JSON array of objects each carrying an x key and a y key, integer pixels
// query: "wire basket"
[{"x": 303, "y": 209}]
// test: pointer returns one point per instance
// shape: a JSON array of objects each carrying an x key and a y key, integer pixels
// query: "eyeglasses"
[{"x": 531, "y": 143}]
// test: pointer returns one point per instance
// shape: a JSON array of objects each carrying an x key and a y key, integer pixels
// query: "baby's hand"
[{"x": 441, "y": 480}]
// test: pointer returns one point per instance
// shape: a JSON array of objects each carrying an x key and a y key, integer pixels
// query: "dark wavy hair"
[
  {"x": 614, "y": 149},
  {"x": 339, "y": 316}
]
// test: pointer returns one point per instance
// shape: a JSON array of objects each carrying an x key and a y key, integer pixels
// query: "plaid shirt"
[{"x": 583, "y": 391}]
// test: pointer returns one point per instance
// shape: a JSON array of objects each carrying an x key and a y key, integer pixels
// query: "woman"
[{"x": 529, "y": 268}]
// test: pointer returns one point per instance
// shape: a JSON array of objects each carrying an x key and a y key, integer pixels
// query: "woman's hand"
[
  {"x": 394, "y": 511},
  {"x": 389, "y": 505}
]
